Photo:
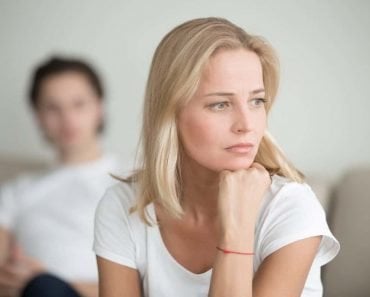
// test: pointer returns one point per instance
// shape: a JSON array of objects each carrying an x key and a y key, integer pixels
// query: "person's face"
[
  {"x": 222, "y": 125},
  {"x": 69, "y": 112}
]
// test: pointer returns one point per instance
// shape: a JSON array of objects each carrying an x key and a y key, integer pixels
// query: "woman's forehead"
[{"x": 232, "y": 67}]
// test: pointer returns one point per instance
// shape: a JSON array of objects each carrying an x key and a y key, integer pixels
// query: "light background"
[{"x": 321, "y": 117}]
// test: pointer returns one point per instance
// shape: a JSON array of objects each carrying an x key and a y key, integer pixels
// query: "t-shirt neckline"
[{"x": 158, "y": 237}]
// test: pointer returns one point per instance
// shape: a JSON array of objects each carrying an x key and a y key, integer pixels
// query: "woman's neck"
[{"x": 200, "y": 192}]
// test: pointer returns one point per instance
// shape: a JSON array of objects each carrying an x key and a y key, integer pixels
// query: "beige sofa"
[
  {"x": 347, "y": 204},
  {"x": 348, "y": 275}
]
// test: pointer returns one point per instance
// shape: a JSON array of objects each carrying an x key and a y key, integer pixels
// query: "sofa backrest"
[
  {"x": 349, "y": 218},
  {"x": 11, "y": 167}
]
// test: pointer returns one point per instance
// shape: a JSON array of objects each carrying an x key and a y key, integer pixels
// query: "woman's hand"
[
  {"x": 17, "y": 272},
  {"x": 240, "y": 196}
]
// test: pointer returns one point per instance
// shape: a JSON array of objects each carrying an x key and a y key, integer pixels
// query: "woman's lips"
[{"x": 241, "y": 148}]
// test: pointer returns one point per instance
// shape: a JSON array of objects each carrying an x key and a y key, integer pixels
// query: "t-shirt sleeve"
[
  {"x": 113, "y": 238},
  {"x": 295, "y": 214}
]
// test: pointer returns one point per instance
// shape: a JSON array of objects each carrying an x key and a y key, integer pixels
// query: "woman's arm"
[
  {"x": 232, "y": 273},
  {"x": 283, "y": 273},
  {"x": 116, "y": 280}
]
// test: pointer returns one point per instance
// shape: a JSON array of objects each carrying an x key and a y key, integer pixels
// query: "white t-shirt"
[
  {"x": 290, "y": 211},
  {"x": 52, "y": 215}
]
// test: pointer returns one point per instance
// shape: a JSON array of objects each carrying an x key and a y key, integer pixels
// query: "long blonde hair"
[{"x": 175, "y": 72}]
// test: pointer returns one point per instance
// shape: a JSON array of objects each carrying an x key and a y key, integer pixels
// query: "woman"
[
  {"x": 215, "y": 209},
  {"x": 46, "y": 221}
]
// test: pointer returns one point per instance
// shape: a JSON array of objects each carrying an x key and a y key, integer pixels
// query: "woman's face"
[
  {"x": 222, "y": 125},
  {"x": 69, "y": 111}
]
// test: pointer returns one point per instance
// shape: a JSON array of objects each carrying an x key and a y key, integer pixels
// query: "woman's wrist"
[
  {"x": 242, "y": 240},
  {"x": 227, "y": 251}
]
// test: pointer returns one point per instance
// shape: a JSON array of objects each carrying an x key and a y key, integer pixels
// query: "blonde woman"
[{"x": 215, "y": 208}]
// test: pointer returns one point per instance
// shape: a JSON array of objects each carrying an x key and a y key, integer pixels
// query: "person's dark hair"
[{"x": 59, "y": 65}]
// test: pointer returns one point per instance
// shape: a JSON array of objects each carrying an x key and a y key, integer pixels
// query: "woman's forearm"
[{"x": 233, "y": 273}]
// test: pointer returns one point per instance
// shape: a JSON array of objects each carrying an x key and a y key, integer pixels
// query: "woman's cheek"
[{"x": 201, "y": 132}]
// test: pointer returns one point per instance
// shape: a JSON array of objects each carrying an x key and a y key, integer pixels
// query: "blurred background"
[{"x": 321, "y": 117}]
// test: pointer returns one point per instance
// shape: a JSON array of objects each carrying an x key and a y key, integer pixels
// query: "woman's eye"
[
  {"x": 219, "y": 106},
  {"x": 258, "y": 101}
]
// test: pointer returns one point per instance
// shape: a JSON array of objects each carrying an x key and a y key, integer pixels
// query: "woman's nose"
[{"x": 242, "y": 121}]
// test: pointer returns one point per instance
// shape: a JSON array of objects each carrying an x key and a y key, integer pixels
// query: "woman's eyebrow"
[
  {"x": 219, "y": 94},
  {"x": 224, "y": 94},
  {"x": 257, "y": 91}
]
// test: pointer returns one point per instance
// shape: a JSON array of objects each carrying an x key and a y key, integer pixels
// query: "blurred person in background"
[{"x": 46, "y": 220}]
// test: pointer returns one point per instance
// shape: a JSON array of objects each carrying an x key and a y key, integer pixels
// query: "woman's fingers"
[
  {"x": 241, "y": 191},
  {"x": 263, "y": 169},
  {"x": 257, "y": 165}
]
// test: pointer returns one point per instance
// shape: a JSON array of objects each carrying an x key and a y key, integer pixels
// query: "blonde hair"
[{"x": 175, "y": 72}]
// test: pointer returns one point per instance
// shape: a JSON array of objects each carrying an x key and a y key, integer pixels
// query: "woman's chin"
[
  {"x": 217, "y": 165},
  {"x": 236, "y": 166}
]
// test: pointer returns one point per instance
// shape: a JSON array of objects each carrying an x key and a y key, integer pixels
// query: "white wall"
[{"x": 321, "y": 118}]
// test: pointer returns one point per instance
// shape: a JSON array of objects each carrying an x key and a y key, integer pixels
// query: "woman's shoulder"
[
  {"x": 291, "y": 212},
  {"x": 120, "y": 196},
  {"x": 287, "y": 185},
  {"x": 286, "y": 191}
]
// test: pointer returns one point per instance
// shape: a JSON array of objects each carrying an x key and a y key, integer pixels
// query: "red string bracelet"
[{"x": 233, "y": 252}]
